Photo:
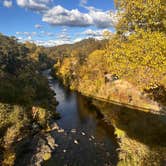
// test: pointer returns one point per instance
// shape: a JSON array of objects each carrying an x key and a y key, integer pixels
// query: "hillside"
[{"x": 23, "y": 90}]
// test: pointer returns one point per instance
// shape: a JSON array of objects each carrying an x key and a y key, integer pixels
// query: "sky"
[{"x": 56, "y": 22}]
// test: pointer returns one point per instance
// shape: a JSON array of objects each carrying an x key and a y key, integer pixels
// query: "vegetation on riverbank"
[
  {"x": 135, "y": 55},
  {"x": 26, "y": 101}
]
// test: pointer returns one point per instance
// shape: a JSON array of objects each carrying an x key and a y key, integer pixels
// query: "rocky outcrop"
[{"x": 33, "y": 151}]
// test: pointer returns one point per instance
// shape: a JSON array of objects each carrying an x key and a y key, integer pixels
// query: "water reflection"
[
  {"x": 142, "y": 134},
  {"x": 146, "y": 127}
]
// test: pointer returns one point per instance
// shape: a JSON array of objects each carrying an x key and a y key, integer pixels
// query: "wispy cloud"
[
  {"x": 39, "y": 37},
  {"x": 35, "y": 5},
  {"x": 26, "y": 33},
  {"x": 97, "y": 34},
  {"x": 90, "y": 32},
  {"x": 64, "y": 36},
  {"x": 38, "y": 26},
  {"x": 7, "y": 3},
  {"x": 83, "y": 2}
]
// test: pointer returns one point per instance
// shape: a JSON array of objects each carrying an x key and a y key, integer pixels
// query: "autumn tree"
[{"x": 141, "y": 14}]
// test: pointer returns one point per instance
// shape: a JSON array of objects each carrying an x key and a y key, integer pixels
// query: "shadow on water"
[
  {"x": 142, "y": 135},
  {"x": 145, "y": 127}
]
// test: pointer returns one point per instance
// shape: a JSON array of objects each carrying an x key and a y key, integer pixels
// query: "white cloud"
[
  {"x": 61, "y": 16},
  {"x": 102, "y": 19},
  {"x": 38, "y": 26},
  {"x": 26, "y": 33},
  {"x": 59, "y": 39},
  {"x": 22, "y": 36},
  {"x": 37, "y": 34},
  {"x": 83, "y": 2},
  {"x": 7, "y": 3},
  {"x": 97, "y": 34},
  {"x": 45, "y": 33},
  {"x": 74, "y": 18},
  {"x": 78, "y": 39},
  {"x": 91, "y": 32},
  {"x": 35, "y": 5},
  {"x": 50, "y": 43},
  {"x": 64, "y": 35},
  {"x": 29, "y": 37}
]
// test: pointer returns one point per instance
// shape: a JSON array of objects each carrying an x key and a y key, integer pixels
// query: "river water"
[{"x": 89, "y": 138}]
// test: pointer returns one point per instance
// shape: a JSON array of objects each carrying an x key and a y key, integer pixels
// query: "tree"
[{"x": 141, "y": 14}]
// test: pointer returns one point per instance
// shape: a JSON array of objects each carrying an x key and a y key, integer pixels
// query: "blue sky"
[{"x": 54, "y": 22}]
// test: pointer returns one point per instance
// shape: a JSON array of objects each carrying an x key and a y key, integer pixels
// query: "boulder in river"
[
  {"x": 54, "y": 126},
  {"x": 73, "y": 131},
  {"x": 60, "y": 130},
  {"x": 82, "y": 133},
  {"x": 75, "y": 141}
]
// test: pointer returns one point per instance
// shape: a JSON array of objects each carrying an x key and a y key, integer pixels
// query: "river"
[{"x": 89, "y": 137}]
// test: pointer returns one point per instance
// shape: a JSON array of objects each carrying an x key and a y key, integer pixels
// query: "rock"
[
  {"x": 82, "y": 133},
  {"x": 73, "y": 131},
  {"x": 45, "y": 149},
  {"x": 46, "y": 156},
  {"x": 108, "y": 154},
  {"x": 43, "y": 153},
  {"x": 92, "y": 137},
  {"x": 54, "y": 126},
  {"x": 35, "y": 127},
  {"x": 56, "y": 145},
  {"x": 43, "y": 145},
  {"x": 60, "y": 130},
  {"x": 75, "y": 141},
  {"x": 38, "y": 148},
  {"x": 50, "y": 141}
]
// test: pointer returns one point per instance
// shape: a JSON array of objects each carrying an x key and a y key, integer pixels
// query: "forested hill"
[
  {"x": 80, "y": 49},
  {"x": 23, "y": 91}
]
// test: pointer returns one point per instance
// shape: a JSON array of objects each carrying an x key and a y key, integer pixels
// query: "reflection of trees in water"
[
  {"x": 66, "y": 91},
  {"x": 86, "y": 110},
  {"x": 103, "y": 130},
  {"x": 142, "y": 134},
  {"x": 147, "y": 128}
]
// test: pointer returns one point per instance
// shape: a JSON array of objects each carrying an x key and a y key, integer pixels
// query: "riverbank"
[{"x": 119, "y": 92}]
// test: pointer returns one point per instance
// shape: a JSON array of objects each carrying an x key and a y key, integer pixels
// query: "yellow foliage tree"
[{"x": 144, "y": 14}]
